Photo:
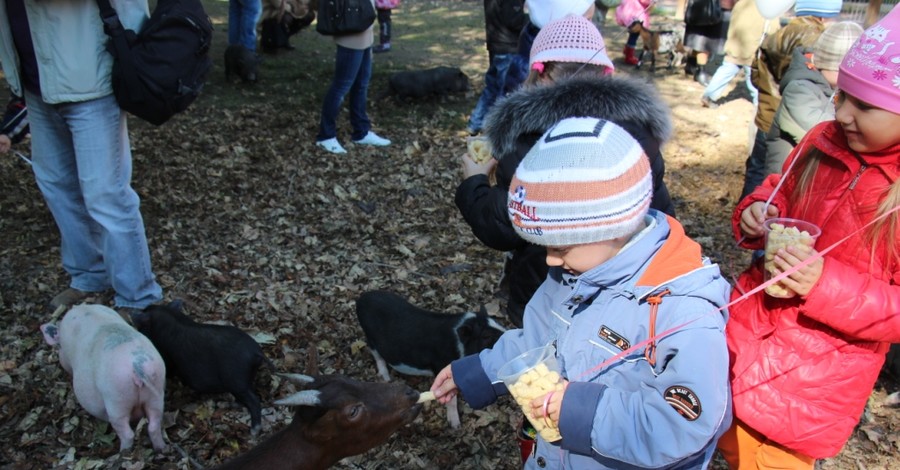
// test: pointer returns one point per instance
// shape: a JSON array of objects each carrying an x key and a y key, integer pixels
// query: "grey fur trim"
[{"x": 617, "y": 99}]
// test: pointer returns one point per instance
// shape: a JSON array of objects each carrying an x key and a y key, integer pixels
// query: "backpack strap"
[
  {"x": 650, "y": 350},
  {"x": 120, "y": 48}
]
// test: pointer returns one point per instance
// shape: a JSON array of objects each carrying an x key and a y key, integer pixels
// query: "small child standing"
[
  {"x": 807, "y": 91},
  {"x": 503, "y": 23},
  {"x": 628, "y": 13},
  {"x": 804, "y": 367},
  {"x": 383, "y": 9},
  {"x": 14, "y": 125},
  {"x": 626, "y": 286}
]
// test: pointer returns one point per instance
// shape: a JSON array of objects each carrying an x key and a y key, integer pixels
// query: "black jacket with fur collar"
[{"x": 516, "y": 122}]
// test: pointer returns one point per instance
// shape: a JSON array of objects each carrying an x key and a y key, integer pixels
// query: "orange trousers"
[{"x": 745, "y": 449}]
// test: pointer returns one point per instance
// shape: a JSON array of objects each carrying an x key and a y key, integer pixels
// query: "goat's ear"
[{"x": 304, "y": 398}]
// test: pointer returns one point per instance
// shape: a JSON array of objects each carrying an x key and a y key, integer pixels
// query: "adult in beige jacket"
[{"x": 746, "y": 32}]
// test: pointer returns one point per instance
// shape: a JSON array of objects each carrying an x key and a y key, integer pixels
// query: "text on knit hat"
[{"x": 586, "y": 180}]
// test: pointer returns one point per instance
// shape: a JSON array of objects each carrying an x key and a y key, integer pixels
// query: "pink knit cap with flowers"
[
  {"x": 570, "y": 39},
  {"x": 870, "y": 70}
]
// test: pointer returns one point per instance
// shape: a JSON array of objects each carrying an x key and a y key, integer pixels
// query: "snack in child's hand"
[
  {"x": 537, "y": 382},
  {"x": 426, "y": 396},
  {"x": 479, "y": 149},
  {"x": 780, "y": 237}
]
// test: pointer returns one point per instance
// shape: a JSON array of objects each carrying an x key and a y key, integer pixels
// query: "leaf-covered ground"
[{"x": 252, "y": 225}]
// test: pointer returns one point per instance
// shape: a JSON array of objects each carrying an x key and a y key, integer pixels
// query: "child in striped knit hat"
[{"x": 634, "y": 312}]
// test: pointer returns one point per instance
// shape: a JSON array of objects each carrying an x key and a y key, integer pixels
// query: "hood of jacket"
[
  {"x": 532, "y": 110},
  {"x": 677, "y": 264},
  {"x": 802, "y": 68}
]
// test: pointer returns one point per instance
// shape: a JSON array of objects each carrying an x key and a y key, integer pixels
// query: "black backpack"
[{"x": 159, "y": 71}]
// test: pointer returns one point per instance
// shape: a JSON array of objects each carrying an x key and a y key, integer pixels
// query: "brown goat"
[
  {"x": 658, "y": 43},
  {"x": 335, "y": 417}
]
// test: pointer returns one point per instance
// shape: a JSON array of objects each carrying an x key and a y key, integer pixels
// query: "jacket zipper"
[{"x": 856, "y": 178}]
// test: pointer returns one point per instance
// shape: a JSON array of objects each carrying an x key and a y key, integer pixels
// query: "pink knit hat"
[
  {"x": 870, "y": 70},
  {"x": 570, "y": 39}
]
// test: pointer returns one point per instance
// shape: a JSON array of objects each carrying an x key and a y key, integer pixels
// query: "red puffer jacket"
[{"x": 802, "y": 369}]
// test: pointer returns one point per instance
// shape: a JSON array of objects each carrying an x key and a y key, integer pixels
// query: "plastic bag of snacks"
[{"x": 531, "y": 375}]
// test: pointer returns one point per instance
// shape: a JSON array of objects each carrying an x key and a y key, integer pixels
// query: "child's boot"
[
  {"x": 384, "y": 37},
  {"x": 630, "y": 58}
]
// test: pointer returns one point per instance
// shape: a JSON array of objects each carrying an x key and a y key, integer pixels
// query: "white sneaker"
[
  {"x": 373, "y": 139},
  {"x": 332, "y": 145}
]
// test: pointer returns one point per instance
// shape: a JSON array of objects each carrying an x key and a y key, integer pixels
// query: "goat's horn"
[
  {"x": 304, "y": 398},
  {"x": 298, "y": 378}
]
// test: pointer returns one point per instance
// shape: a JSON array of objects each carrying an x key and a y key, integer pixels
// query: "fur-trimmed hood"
[{"x": 532, "y": 110}]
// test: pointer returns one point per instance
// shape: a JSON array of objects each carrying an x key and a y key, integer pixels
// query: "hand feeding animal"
[{"x": 415, "y": 341}]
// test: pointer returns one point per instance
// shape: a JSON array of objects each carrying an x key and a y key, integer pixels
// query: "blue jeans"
[
  {"x": 352, "y": 71},
  {"x": 723, "y": 76},
  {"x": 242, "y": 18},
  {"x": 494, "y": 81},
  {"x": 81, "y": 159}
]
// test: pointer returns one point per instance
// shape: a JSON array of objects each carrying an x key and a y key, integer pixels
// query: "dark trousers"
[{"x": 755, "y": 168}]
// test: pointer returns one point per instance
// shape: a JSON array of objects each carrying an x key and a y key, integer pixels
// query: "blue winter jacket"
[{"x": 627, "y": 414}]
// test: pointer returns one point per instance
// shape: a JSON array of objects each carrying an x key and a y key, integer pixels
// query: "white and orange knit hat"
[
  {"x": 570, "y": 39},
  {"x": 586, "y": 180}
]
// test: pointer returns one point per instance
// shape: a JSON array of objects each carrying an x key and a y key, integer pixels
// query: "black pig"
[
  {"x": 241, "y": 61},
  {"x": 206, "y": 358},
  {"x": 416, "y": 341},
  {"x": 421, "y": 83}
]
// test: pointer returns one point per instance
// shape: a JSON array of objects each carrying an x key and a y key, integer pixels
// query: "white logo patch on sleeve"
[{"x": 685, "y": 402}]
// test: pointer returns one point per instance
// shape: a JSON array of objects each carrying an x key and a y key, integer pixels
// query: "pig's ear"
[
  {"x": 465, "y": 332},
  {"x": 177, "y": 305},
  {"x": 51, "y": 333}
]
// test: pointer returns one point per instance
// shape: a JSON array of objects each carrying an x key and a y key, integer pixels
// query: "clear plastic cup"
[
  {"x": 530, "y": 375},
  {"x": 782, "y": 233}
]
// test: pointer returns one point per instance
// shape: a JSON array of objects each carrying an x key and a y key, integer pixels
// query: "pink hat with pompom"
[
  {"x": 870, "y": 70},
  {"x": 570, "y": 39}
]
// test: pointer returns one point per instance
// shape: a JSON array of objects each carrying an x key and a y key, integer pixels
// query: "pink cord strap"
[{"x": 546, "y": 404}]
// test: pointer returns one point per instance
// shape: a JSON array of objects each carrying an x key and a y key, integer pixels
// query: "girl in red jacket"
[{"x": 803, "y": 367}]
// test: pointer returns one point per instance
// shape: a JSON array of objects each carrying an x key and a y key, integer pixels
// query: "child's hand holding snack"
[
  {"x": 803, "y": 280},
  {"x": 753, "y": 217},
  {"x": 479, "y": 159},
  {"x": 444, "y": 387}
]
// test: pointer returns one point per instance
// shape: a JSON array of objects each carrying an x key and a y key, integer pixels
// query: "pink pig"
[{"x": 117, "y": 374}]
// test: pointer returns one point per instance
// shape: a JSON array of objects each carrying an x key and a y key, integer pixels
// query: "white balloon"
[{"x": 771, "y": 9}]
